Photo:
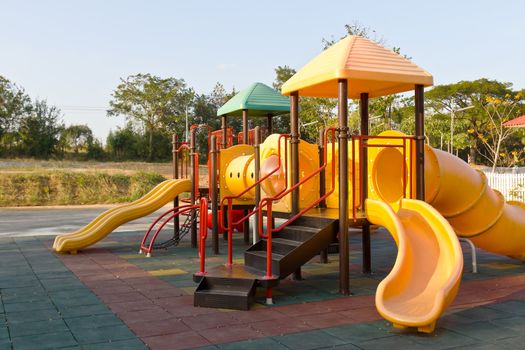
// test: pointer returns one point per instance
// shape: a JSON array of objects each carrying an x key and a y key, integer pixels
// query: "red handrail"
[
  {"x": 176, "y": 211},
  {"x": 270, "y": 200},
  {"x": 362, "y": 145},
  {"x": 230, "y": 199},
  {"x": 203, "y": 233}
]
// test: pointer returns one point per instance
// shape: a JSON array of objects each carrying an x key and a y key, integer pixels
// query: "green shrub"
[{"x": 68, "y": 188}]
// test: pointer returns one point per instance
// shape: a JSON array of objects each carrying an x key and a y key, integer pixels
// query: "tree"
[
  {"x": 122, "y": 144},
  {"x": 39, "y": 131},
  {"x": 76, "y": 138},
  {"x": 282, "y": 74},
  {"x": 492, "y": 134},
  {"x": 158, "y": 104},
  {"x": 14, "y": 104},
  {"x": 357, "y": 28},
  {"x": 443, "y": 100}
]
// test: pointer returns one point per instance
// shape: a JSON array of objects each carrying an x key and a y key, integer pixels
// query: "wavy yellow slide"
[
  {"x": 475, "y": 211},
  {"x": 427, "y": 272},
  {"x": 108, "y": 221}
]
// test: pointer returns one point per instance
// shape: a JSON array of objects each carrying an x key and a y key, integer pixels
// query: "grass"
[{"x": 26, "y": 182}]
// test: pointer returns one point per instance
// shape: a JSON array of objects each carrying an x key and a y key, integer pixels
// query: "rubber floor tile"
[
  {"x": 230, "y": 334},
  {"x": 37, "y": 327},
  {"x": 185, "y": 340},
  {"x": 158, "y": 327},
  {"x": 257, "y": 344},
  {"x": 44, "y": 341},
  {"x": 102, "y": 334},
  {"x": 308, "y": 340},
  {"x": 129, "y": 344}
]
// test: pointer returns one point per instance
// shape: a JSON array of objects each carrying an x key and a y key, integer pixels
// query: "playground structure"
[{"x": 424, "y": 197}]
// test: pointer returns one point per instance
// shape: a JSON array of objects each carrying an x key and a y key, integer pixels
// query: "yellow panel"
[{"x": 231, "y": 187}]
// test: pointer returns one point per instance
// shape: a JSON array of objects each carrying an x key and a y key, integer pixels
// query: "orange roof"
[
  {"x": 368, "y": 67},
  {"x": 516, "y": 122}
]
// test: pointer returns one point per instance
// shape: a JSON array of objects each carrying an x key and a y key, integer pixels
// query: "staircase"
[{"x": 234, "y": 287}]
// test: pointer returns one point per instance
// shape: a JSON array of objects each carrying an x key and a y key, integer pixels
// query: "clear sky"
[{"x": 73, "y": 53}]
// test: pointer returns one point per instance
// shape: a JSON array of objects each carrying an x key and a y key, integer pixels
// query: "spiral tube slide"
[
  {"x": 475, "y": 211},
  {"x": 108, "y": 221},
  {"x": 460, "y": 193}
]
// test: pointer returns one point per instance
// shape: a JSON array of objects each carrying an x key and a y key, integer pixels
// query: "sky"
[{"x": 73, "y": 53}]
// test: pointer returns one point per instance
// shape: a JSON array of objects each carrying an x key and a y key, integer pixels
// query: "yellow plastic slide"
[
  {"x": 108, "y": 221},
  {"x": 427, "y": 272},
  {"x": 475, "y": 211}
]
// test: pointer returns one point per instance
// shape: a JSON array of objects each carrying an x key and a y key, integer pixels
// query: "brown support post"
[
  {"x": 214, "y": 196},
  {"x": 257, "y": 168},
  {"x": 294, "y": 148},
  {"x": 245, "y": 140},
  {"x": 365, "y": 228},
  {"x": 224, "y": 127},
  {"x": 194, "y": 181},
  {"x": 420, "y": 141},
  {"x": 175, "y": 156},
  {"x": 322, "y": 187},
  {"x": 294, "y": 155},
  {"x": 269, "y": 123},
  {"x": 344, "y": 253},
  {"x": 245, "y": 126}
]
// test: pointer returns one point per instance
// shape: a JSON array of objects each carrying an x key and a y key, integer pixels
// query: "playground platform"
[{"x": 110, "y": 297}]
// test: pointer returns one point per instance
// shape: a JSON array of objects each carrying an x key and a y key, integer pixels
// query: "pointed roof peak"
[
  {"x": 259, "y": 99},
  {"x": 368, "y": 67}
]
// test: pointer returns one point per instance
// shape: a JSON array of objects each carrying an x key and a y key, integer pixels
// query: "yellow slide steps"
[
  {"x": 108, "y": 221},
  {"x": 427, "y": 271}
]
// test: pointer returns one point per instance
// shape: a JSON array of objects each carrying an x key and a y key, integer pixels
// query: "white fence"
[{"x": 512, "y": 186}]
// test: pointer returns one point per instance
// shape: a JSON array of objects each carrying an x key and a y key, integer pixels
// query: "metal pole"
[
  {"x": 214, "y": 196},
  {"x": 194, "y": 181},
  {"x": 245, "y": 140},
  {"x": 257, "y": 169},
  {"x": 344, "y": 254},
  {"x": 224, "y": 144},
  {"x": 452, "y": 115},
  {"x": 269, "y": 125},
  {"x": 175, "y": 156},
  {"x": 245, "y": 127},
  {"x": 294, "y": 161},
  {"x": 322, "y": 187},
  {"x": 365, "y": 228},
  {"x": 224, "y": 128},
  {"x": 294, "y": 148},
  {"x": 420, "y": 141}
]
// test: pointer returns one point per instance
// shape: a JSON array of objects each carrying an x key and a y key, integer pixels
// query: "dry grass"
[{"x": 34, "y": 182}]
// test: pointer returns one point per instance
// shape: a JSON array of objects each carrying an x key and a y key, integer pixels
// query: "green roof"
[{"x": 259, "y": 99}]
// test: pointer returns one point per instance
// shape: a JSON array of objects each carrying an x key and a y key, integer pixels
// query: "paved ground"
[{"x": 111, "y": 297}]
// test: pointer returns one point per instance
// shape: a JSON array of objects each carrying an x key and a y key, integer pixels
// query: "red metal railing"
[
  {"x": 218, "y": 135},
  {"x": 229, "y": 199},
  {"x": 203, "y": 233},
  {"x": 361, "y": 145},
  {"x": 148, "y": 248},
  {"x": 269, "y": 200},
  {"x": 251, "y": 135}
]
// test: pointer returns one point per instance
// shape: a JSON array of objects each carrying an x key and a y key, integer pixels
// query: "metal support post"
[
  {"x": 344, "y": 253},
  {"x": 214, "y": 196},
  {"x": 365, "y": 228},
  {"x": 194, "y": 182}
]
